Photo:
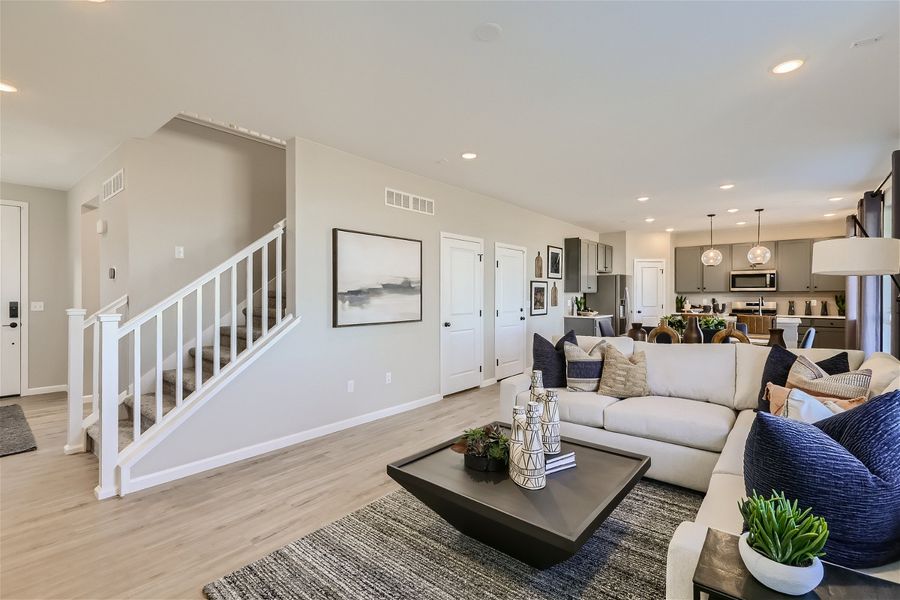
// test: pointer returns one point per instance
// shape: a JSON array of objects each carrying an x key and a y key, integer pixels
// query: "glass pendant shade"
[
  {"x": 759, "y": 255},
  {"x": 712, "y": 257}
]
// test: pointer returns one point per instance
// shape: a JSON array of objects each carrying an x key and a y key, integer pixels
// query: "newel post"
[
  {"x": 75, "y": 381},
  {"x": 109, "y": 404}
]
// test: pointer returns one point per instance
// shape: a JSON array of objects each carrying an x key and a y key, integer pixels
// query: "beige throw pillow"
[
  {"x": 781, "y": 397},
  {"x": 812, "y": 379},
  {"x": 623, "y": 376}
]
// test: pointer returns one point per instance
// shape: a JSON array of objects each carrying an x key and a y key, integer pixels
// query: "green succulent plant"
[
  {"x": 676, "y": 322},
  {"x": 714, "y": 323},
  {"x": 680, "y": 302},
  {"x": 782, "y": 532},
  {"x": 840, "y": 300},
  {"x": 487, "y": 441}
]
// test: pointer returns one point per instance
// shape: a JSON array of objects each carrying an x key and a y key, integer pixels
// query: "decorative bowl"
[
  {"x": 483, "y": 463},
  {"x": 794, "y": 581}
]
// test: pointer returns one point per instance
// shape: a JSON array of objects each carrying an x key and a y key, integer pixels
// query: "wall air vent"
[
  {"x": 113, "y": 186},
  {"x": 407, "y": 201}
]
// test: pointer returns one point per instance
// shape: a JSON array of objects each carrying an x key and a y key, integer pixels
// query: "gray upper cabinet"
[
  {"x": 718, "y": 278},
  {"x": 580, "y": 266},
  {"x": 688, "y": 270},
  {"x": 794, "y": 261},
  {"x": 739, "y": 252},
  {"x": 828, "y": 283},
  {"x": 604, "y": 258}
]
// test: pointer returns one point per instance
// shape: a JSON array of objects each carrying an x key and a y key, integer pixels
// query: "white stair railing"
[
  {"x": 130, "y": 332},
  {"x": 78, "y": 325}
]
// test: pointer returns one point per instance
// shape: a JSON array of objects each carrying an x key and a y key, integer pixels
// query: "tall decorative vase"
[
  {"x": 776, "y": 337},
  {"x": 550, "y": 423},
  {"x": 526, "y": 450},
  {"x": 537, "y": 386},
  {"x": 692, "y": 333},
  {"x": 637, "y": 332},
  {"x": 538, "y": 266},
  {"x": 824, "y": 308}
]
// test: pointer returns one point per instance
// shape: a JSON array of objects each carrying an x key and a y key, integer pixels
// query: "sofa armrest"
[
  {"x": 682, "y": 558},
  {"x": 509, "y": 389}
]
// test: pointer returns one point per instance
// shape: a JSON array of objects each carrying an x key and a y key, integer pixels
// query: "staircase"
[{"x": 180, "y": 353}]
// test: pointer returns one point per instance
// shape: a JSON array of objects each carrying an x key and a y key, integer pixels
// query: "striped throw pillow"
[
  {"x": 812, "y": 379},
  {"x": 583, "y": 368}
]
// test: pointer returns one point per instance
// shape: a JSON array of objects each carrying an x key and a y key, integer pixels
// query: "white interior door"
[
  {"x": 510, "y": 297},
  {"x": 10, "y": 300},
  {"x": 649, "y": 290},
  {"x": 462, "y": 305}
]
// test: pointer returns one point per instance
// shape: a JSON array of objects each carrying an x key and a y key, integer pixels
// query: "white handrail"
[
  {"x": 109, "y": 308},
  {"x": 151, "y": 312}
]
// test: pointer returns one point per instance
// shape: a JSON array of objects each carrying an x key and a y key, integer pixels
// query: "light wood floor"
[{"x": 58, "y": 541}]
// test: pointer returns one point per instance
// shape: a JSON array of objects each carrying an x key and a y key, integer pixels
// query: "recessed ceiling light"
[
  {"x": 741, "y": 223},
  {"x": 726, "y": 186},
  {"x": 649, "y": 219},
  {"x": 488, "y": 32},
  {"x": 469, "y": 156},
  {"x": 836, "y": 199},
  {"x": 829, "y": 214},
  {"x": 5, "y": 87},
  {"x": 670, "y": 229},
  {"x": 732, "y": 210},
  {"x": 787, "y": 66},
  {"x": 643, "y": 198}
]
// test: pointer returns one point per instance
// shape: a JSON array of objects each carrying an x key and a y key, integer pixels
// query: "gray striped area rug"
[{"x": 396, "y": 547}]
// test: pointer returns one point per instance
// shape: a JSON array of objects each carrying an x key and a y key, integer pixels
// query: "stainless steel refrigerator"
[{"x": 613, "y": 297}]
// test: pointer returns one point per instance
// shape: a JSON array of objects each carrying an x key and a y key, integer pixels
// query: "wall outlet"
[
  {"x": 179, "y": 251},
  {"x": 387, "y": 377},
  {"x": 350, "y": 385},
  {"x": 37, "y": 306},
  {"x": 814, "y": 302}
]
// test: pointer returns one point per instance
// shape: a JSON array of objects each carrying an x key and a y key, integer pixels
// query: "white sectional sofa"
[{"x": 693, "y": 426}]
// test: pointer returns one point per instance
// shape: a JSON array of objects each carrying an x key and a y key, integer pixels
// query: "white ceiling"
[{"x": 577, "y": 110}]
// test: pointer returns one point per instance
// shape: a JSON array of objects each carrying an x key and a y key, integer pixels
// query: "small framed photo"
[
  {"x": 538, "y": 298},
  {"x": 554, "y": 262}
]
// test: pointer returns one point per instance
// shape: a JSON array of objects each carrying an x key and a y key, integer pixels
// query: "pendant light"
[
  {"x": 711, "y": 257},
  {"x": 759, "y": 254}
]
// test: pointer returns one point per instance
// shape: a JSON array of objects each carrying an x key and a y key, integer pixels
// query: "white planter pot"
[{"x": 795, "y": 581}]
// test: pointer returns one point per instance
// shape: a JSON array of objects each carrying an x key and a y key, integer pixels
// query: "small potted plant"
[
  {"x": 782, "y": 544},
  {"x": 710, "y": 326},
  {"x": 840, "y": 300},
  {"x": 679, "y": 303},
  {"x": 484, "y": 448}
]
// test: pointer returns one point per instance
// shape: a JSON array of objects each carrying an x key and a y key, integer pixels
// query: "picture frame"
[
  {"x": 539, "y": 298},
  {"x": 554, "y": 262},
  {"x": 376, "y": 279}
]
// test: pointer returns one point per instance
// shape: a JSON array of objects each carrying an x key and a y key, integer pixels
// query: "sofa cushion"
[
  {"x": 583, "y": 368},
  {"x": 623, "y": 376},
  {"x": 885, "y": 368},
  {"x": 720, "y": 507},
  {"x": 696, "y": 371},
  {"x": 779, "y": 363},
  {"x": 846, "y": 468},
  {"x": 576, "y": 407},
  {"x": 550, "y": 360},
  {"x": 701, "y": 425},
  {"x": 731, "y": 461}
]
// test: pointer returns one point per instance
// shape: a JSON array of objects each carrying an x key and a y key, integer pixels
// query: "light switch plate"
[
  {"x": 179, "y": 251},
  {"x": 37, "y": 306}
]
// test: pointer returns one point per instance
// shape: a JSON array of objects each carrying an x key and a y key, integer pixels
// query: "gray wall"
[
  {"x": 301, "y": 382},
  {"x": 49, "y": 278}
]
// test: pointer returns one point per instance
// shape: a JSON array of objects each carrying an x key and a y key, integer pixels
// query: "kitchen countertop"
[
  {"x": 813, "y": 316},
  {"x": 594, "y": 317}
]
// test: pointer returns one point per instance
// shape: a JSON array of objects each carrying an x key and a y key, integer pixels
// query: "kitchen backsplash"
[{"x": 781, "y": 299}]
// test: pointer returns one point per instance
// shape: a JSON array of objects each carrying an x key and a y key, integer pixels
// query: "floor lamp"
[{"x": 861, "y": 255}]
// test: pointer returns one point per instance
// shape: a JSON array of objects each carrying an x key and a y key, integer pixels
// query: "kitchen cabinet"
[
  {"x": 828, "y": 283},
  {"x": 688, "y": 273},
  {"x": 604, "y": 258},
  {"x": 718, "y": 278},
  {"x": 794, "y": 265},
  {"x": 739, "y": 252},
  {"x": 829, "y": 332},
  {"x": 580, "y": 266}
]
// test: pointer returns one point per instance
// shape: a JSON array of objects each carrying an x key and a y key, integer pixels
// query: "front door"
[
  {"x": 511, "y": 296},
  {"x": 462, "y": 304},
  {"x": 10, "y": 300},
  {"x": 649, "y": 291}
]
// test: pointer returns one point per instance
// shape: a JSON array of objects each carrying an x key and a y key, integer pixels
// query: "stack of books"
[{"x": 561, "y": 462}]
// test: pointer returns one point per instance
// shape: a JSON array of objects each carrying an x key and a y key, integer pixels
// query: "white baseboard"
[
  {"x": 47, "y": 389},
  {"x": 488, "y": 382},
  {"x": 134, "y": 484}
]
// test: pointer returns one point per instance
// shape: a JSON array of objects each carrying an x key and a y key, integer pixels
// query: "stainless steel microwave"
[{"x": 754, "y": 281}]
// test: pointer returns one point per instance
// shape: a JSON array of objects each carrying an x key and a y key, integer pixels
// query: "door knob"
[
  {"x": 13, "y": 324},
  {"x": 446, "y": 323},
  {"x": 521, "y": 318}
]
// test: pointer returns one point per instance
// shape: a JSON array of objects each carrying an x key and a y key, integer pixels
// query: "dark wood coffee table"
[{"x": 540, "y": 527}]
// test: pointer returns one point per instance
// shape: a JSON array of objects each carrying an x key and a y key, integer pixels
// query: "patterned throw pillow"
[
  {"x": 811, "y": 378},
  {"x": 623, "y": 376},
  {"x": 583, "y": 368},
  {"x": 797, "y": 404},
  {"x": 779, "y": 363},
  {"x": 551, "y": 360},
  {"x": 846, "y": 468}
]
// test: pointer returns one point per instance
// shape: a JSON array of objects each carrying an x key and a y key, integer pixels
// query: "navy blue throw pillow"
[
  {"x": 551, "y": 360},
  {"x": 779, "y": 364},
  {"x": 846, "y": 468}
]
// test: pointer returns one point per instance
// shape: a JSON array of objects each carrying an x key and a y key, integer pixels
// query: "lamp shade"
[
  {"x": 712, "y": 257},
  {"x": 857, "y": 256}
]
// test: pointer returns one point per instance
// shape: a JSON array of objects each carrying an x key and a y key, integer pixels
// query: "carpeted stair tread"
[
  {"x": 209, "y": 353},
  {"x": 188, "y": 379},
  {"x": 241, "y": 331},
  {"x": 283, "y": 295},
  {"x": 126, "y": 428},
  {"x": 272, "y": 312},
  {"x": 148, "y": 405}
]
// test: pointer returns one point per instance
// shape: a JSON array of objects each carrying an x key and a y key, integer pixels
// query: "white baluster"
[
  {"x": 250, "y": 301},
  {"x": 264, "y": 289},
  {"x": 109, "y": 405},
  {"x": 278, "y": 278},
  {"x": 198, "y": 352},
  {"x": 179, "y": 353},
  {"x": 75, "y": 437},
  {"x": 216, "y": 337},
  {"x": 159, "y": 367},
  {"x": 136, "y": 385},
  {"x": 234, "y": 309}
]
